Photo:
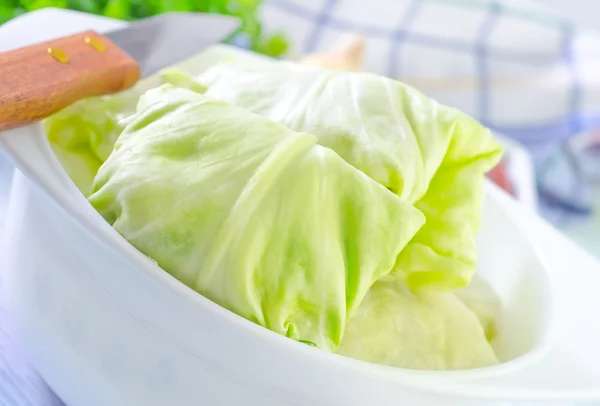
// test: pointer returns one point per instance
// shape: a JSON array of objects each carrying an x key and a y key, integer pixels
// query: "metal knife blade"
[{"x": 160, "y": 41}]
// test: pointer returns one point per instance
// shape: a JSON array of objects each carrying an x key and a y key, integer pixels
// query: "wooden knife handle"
[{"x": 41, "y": 79}]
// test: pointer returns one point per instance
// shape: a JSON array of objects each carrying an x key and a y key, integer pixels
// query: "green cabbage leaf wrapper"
[
  {"x": 426, "y": 330},
  {"x": 433, "y": 156},
  {"x": 83, "y": 135},
  {"x": 256, "y": 217}
]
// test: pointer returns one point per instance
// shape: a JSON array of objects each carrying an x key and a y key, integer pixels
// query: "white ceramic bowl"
[{"x": 105, "y": 325}]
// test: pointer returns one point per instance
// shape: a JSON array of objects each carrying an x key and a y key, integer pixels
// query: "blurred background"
[{"x": 527, "y": 69}]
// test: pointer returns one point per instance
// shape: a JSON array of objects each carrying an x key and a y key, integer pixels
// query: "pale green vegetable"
[
  {"x": 431, "y": 155},
  {"x": 256, "y": 217},
  {"x": 82, "y": 135},
  {"x": 423, "y": 330}
]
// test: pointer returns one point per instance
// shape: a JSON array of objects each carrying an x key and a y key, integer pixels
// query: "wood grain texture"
[{"x": 34, "y": 85}]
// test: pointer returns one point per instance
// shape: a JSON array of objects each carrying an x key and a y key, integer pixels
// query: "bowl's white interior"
[{"x": 509, "y": 262}]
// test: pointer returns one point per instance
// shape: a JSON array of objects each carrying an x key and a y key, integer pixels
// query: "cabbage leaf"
[
  {"x": 256, "y": 217},
  {"x": 426, "y": 330},
  {"x": 430, "y": 155}
]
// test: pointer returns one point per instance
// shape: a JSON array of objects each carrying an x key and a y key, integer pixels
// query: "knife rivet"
[
  {"x": 96, "y": 44},
  {"x": 58, "y": 54}
]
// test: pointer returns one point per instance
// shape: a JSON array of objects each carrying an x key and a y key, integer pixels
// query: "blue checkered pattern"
[{"x": 519, "y": 73}]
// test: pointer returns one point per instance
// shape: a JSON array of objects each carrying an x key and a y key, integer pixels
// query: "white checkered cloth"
[{"x": 530, "y": 76}]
